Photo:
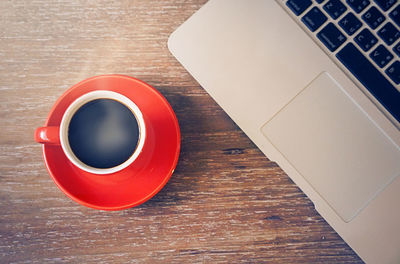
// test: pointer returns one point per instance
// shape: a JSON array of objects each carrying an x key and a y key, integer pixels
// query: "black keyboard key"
[
  {"x": 381, "y": 56},
  {"x": 358, "y": 5},
  {"x": 389, "y": 33},
  {"x": 365, "y": 39},
  {"x": 396, "y": 49},
  {"x": 335, "y": 8},
  {"x": 373, "y": 17},
  {"x": 385, "y": 4},
  {"x": 331, "y": 37},
  {"x": 394, "y": 72},
  {"x": 350, "y": 23},
  {"x": 395, "y": 15},
  {"x": 298, "y": 6},
  {"x": 320, "y": 1},
  {"x": 314, "y": 19},
  {"x": 371, "y": 78}
]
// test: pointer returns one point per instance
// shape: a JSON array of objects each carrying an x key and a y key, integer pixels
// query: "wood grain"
[{"x": 226, "y": 202}]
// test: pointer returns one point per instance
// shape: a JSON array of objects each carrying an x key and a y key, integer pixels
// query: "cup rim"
[{"x": 84, "y": 99}]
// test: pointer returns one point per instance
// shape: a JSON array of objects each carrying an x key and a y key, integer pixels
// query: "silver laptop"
[{"x": 315, "y": 85}]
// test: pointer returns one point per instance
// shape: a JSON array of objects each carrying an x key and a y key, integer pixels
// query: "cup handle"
[{"x": 48, "y": 135}]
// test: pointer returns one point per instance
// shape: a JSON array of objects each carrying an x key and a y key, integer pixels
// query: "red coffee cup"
[{"x": 136, "y": 179}]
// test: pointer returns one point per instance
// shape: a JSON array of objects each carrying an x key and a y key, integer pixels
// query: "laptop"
[{"x": 315, "y": 85}]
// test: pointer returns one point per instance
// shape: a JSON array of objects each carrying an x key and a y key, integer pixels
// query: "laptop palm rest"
[{"x": 333, "y": 144}]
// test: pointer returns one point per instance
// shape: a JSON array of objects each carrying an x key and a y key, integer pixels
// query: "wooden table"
[{"x": 226, "y": 202}]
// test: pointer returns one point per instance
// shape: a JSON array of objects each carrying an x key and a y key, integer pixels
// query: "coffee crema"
[{"x": 103, "y": 133}]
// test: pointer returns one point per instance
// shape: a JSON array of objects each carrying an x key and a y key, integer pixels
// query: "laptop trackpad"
[{"x": 331, "y": 142}]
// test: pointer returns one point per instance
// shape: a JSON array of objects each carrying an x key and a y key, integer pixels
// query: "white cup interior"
[{"x": 100, "y": 94}]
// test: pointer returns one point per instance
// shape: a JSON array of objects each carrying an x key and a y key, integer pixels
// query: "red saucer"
[{"x": 146, "y": 175}]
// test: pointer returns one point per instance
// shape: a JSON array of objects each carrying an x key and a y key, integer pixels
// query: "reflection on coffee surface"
[{"x": 103, "y": 133}]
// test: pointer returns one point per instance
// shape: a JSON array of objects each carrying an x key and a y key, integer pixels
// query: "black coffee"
[{"x": 103, "y": 133}]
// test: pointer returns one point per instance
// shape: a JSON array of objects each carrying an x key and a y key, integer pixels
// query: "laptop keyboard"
[{"x": 364, "y": 36}]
